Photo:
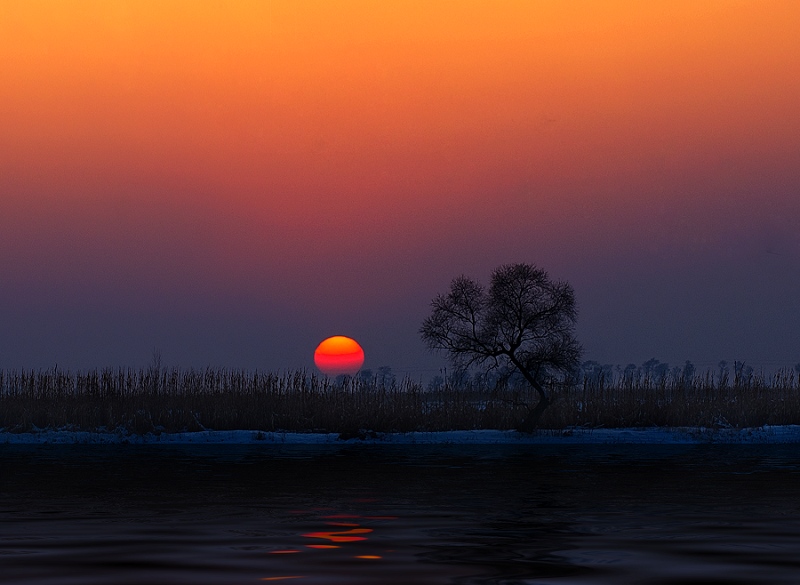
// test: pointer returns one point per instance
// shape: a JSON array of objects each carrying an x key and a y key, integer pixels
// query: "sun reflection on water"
[
  {"x": 342, "y": 532},
  {"x": 341, "y": 535}
]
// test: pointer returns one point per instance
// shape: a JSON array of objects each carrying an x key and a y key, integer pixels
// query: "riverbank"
[{"x": 783, "y": 434}]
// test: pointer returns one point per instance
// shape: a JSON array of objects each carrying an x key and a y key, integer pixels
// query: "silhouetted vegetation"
[
  {"x": 158, "y": 400},
  {"x": 523, "y": 324}
]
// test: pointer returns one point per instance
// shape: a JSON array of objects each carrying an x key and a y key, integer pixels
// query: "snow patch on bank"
[{"x": 788, "y": 434}]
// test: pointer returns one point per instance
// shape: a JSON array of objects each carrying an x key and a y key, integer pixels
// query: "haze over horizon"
[{"x": 231, "y": 184}]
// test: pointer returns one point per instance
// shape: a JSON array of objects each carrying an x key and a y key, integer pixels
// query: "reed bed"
[
  {"x": 156, "y": 400},
  {"x": 700, "y": 401}
]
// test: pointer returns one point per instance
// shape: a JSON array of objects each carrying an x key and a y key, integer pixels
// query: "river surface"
[{"x": 590, "y": 514}]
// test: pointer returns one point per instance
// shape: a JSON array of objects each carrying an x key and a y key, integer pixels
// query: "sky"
[{"x": 230, "y": 183}]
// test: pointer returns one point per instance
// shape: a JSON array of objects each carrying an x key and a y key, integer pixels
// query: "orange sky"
[{"x": 245, "y": 152}]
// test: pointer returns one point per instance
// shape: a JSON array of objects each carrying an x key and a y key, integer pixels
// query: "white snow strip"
[{"x": 788, "y": 434}]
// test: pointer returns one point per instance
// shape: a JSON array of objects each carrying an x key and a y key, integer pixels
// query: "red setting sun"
[{"x": 339, "y": 355}]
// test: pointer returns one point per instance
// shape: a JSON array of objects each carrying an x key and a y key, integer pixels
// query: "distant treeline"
[
  {"x": 156, "y": 399},
  {"x": 653, "y": 371}
]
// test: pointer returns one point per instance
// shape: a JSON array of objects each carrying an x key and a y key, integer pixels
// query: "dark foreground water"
[{"x": 375, "y": 515}]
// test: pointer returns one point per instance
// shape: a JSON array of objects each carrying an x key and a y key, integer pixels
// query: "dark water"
[{"x": 414, "y": 514}]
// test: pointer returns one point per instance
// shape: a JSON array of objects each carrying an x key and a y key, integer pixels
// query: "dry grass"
[
  {"x": 156, "y": 400},
  {"x": 700, "y": 401},
  {"x": 161, "y": 400}
]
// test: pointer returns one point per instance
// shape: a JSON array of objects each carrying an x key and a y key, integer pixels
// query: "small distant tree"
[
  {"x": 661, "y": 372},
  {"x": 385, "y": 376},
  {"x": 723, "y": 373},
  {"x": 596, "y": 373},
  {"x": 675, "y": 375},
  {"x": 743, "y": 374},
  {"x": 591, "y": 370},
  {"x": 436, "y": 383},
  {"x": 649, "y": 367},
  {"x": 458, "y": 378},
  {"x": 366, "y": 377},
  {"x": 523, "y": 323},
  {"x": 688, "y": 372},
  {"x": 630, "y": 373}
]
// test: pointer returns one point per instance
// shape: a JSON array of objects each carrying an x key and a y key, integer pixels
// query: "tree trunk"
[{"x": 529, "y": 423}]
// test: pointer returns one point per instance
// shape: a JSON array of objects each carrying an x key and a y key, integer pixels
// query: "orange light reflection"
[{"x": 341, "y": 536}]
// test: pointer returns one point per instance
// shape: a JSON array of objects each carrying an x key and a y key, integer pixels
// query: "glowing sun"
[{"x": 339, "y": 355}]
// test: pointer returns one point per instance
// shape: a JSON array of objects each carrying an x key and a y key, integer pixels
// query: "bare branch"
[{"x": 524, "y": 322}]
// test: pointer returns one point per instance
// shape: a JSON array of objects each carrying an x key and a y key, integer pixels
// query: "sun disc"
[{"x": 339, "y": 355}]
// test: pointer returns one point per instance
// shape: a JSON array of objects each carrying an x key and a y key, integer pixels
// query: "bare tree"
[{"x": 524, "y": 322}]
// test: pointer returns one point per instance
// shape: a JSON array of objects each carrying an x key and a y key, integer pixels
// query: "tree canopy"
[{"x": 524, "y": 322}]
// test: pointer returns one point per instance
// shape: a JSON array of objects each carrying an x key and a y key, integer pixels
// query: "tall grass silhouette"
[{"x": 155, "y": 400}]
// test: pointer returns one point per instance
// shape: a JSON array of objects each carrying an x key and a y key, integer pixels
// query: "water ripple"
[{"x": 430, "y": 515}]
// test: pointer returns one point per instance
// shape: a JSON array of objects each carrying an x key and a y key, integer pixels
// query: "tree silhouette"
[{"x": 524, "y": 322}]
